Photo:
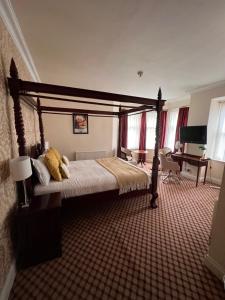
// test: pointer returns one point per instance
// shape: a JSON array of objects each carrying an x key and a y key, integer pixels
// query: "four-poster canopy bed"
[{"x": 26, "y": 91}]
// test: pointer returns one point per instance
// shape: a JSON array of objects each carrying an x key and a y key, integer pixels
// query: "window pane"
[
  {"x": 150, "y": 132},
  {"x": 172, "y": 116},
  {"x": 219, "y": 144},
  {"x": 134, "y": 125}
]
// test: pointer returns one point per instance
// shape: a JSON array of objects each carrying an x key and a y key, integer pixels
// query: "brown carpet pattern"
[{"x": 124, "y": 250}]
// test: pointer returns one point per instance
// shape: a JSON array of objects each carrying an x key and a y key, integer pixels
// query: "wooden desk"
[{"x": 192, "y": 160}]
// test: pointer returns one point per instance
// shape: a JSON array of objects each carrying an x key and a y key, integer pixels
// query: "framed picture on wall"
[{"x": 80, "y": 123}]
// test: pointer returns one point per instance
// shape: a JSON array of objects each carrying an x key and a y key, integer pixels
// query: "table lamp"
[
  {"x": 20, "y": 169},
  {"x": 178, "y": 147}
]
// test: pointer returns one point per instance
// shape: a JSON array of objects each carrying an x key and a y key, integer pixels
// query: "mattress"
[{"x": 86, "y": 177}]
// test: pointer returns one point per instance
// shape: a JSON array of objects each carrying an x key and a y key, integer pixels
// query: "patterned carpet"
[{"x": 124, "y": 250}]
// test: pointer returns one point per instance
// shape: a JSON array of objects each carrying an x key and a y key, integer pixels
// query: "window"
[
  {"x": 216, "y": 140},
  {"x": 172, "y": 116},
  {"x": 150, "y": 130},
  {"x": 134, "y": 125}
]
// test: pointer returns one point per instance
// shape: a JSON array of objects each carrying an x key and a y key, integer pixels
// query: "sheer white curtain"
[
  {"x": 133, "y": 136},
  {"x": 150, "y": 130},
  {"x": 218, "y": 152},
  {"x": 171, "y": 125}
]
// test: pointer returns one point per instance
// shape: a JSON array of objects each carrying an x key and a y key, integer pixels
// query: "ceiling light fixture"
[{"x": 140, "y": 73}]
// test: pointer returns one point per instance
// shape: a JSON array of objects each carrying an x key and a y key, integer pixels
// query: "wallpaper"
[{"x": 8, "y": 145}]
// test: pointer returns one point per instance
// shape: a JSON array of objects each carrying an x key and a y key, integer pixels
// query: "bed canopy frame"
[{"x": 25, "y": 91}]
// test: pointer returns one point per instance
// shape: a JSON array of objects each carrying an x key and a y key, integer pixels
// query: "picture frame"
[{"x": 80, "y": 123}]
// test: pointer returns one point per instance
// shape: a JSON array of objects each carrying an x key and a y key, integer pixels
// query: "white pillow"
[
  {"x": 41, "y": 171},
  {"x": 65, "y": 160},
  {"x": 41, "y": 158}
]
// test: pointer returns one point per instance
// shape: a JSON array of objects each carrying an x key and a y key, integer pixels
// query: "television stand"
[{"x": 193, "y": 160}]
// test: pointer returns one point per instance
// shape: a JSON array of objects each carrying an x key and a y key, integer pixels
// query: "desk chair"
[
  {"x": 171, "y": 167},
  {"x": 127, "y": 155},
  {"x": 166, "y": 151}
]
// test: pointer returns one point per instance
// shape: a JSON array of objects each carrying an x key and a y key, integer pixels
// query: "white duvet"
[{"x": 86, "y": 177}]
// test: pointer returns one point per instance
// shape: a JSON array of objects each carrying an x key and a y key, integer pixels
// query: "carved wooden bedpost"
[
  {"x": 14, "y": 92},
  {"x": 41, "y": 127},
  {"x": 155, "y": 165},
  {"x": 119, "y": 135}
]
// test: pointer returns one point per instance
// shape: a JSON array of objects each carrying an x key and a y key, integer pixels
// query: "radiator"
[{"x": 81, "y": 155}]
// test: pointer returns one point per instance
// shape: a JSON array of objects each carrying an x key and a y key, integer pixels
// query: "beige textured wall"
[
  {"x": 59, "y": 131},
  {"x": 176, "y": 104},
  {"x": 199, "y": 115},
  {"x": 8, "y": 145}
]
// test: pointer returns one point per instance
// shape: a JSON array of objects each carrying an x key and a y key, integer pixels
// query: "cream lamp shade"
[
  {"x": 20, "y": 168},
  {"x": 178, "y": 146}
]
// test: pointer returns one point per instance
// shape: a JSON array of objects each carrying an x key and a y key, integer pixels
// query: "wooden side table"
[
  {"x": 39, "y": 230},
  {"x": 141, "y": 156}
]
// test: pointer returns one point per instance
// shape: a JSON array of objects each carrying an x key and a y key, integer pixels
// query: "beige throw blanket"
[{"x": 129, "y": 178}]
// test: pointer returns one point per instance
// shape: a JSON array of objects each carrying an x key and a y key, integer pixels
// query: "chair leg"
[
  {"x": 167, "y": 177},
  {"x": 178, "y": 176},
  {"x": 170, "y": 175},
  {"x": 164, "y": 179}
]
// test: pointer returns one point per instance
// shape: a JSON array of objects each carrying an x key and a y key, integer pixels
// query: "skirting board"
[
  {"x": 208, "y": 179},
  {"x": 190, "y": 176},
  {"x": 9, "y": 282},
  {"x": 214, "y": 267}
]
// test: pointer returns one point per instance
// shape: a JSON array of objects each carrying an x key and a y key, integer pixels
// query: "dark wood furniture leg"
[
  {"x": 119, "y": 135},
  {"x": 181, "y": 165},
  {"x": 141, "y": 159},
  {"x": 41, "y": 127},
  {"x": 206, "y": 168},
  {"x": 197, "y": 176},
  {"x": 155, "y": 163},
  {"x": 19, "y": 125}
]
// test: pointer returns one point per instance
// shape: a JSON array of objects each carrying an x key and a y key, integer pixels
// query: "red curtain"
[
  {"x": 123, "y": 132},
  {"x": 181, "y": 121},
  {"x": 162, "y": 126},
  {"x": 142, "y": 141}
]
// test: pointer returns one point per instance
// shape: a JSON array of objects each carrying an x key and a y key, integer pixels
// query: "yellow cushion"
[
  {"x": 52, "y": 164},
  {"x": 56, "y": 152},
  {"x": 64, "y": 170}
]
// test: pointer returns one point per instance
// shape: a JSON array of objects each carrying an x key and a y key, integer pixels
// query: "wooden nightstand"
[{"x": 39, "y": 230}]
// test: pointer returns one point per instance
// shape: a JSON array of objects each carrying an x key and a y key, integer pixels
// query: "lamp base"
[
  {"x": 25, "y": 204},
  {"x": 22, "y": 195}
]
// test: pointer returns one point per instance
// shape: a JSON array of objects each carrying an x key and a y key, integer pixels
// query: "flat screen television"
[{"x": 193, "y": 134}]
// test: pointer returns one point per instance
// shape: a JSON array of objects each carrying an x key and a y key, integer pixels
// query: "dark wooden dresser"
[{"x": 38, "y": 232}]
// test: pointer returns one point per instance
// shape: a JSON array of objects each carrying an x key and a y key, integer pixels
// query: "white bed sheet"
[{"x": 86, "y": 177}]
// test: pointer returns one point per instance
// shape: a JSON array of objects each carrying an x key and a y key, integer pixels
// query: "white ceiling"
[{"x": 101, "y": 44}]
